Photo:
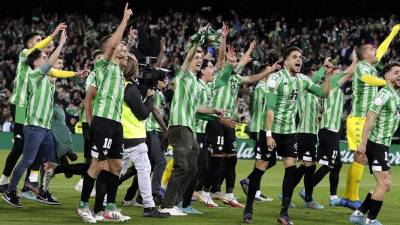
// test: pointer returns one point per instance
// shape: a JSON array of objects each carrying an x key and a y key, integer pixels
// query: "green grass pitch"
[{"x": 265, "y": 213}]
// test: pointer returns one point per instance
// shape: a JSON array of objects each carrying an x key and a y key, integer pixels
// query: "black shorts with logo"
[
  {"x": 378, "y": 157},
  {"x": 307, "y": 147},
  {"x": 262, "y": 152},
  {"x": 286, "y": 144},
  {"x": 106, "y": 139},
  {"x": 328, "y": 152},
  {"x": 220, "y": 138}
]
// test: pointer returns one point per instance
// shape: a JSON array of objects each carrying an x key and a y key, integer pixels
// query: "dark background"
[{"x": 288, "y": 8}]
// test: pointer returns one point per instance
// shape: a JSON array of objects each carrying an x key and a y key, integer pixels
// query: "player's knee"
[{"x": 387, "y": 185}]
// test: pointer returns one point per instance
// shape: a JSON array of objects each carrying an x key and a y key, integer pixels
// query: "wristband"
[{"x": 269, "y": 133}]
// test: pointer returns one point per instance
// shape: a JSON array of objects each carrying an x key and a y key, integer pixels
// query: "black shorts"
[
  {"x": 86, "y": 141},
  {"x": 262, "y": 152},
  {"x": 328, "y": 152},
  {"x": 221, "y": 139},
  {"x": 378, "y": 157},
  {"x": 286, "y": 145},
  {"x": 106, "y": 139},
  {"x": 307, "y": 147}
]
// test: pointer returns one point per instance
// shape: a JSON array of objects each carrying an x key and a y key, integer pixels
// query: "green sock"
[
  {"x": 111, "y": 207},
  {"x": 83, "y": 205}
]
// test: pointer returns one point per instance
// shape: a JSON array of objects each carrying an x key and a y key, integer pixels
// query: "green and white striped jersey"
[
  {"x": 225, "y": 96},
  {"x": 41, "y": 98},
  {"x": 286, "y": 88},
  {"x": 307, "y": 104},
  {"x": 184, "y": 102},
  {"x": 110, "y": 90},
  {"x": 204, "y": 99},
  {"x": 259, "y": 106},
  {"x": 19, "y": 96},
  {"x": 333, "y": 109},
  {"x": 386, "y": 105},
  {"x": 159, "y": 103},
  {"x": 90, "y": 81},
  {"x": 363, "y": 93}
]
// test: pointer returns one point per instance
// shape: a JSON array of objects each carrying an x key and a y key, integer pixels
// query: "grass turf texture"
[{"x": 34, "y": 213}]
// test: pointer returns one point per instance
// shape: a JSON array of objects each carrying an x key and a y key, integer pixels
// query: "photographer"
[{"x": 136, "y": 108}]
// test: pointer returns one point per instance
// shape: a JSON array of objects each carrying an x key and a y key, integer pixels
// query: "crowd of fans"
[{"x": 318, "y": 38}]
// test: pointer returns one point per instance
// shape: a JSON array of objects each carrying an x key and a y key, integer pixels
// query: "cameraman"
[{"x": 136, "y": 108}]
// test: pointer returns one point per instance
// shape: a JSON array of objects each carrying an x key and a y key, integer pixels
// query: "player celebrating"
[
  {"x": 382, "y": 121},
  {"x": 283, "y": 89},
  {"x": 105, "y": 127},
  {"x": 365, "y": 86}
]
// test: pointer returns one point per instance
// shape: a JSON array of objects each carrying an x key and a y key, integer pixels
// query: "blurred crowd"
[{"x": 318, "y": 38}]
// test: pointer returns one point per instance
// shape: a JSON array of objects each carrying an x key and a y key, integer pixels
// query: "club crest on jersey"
[{"x": 378, "y": 100}]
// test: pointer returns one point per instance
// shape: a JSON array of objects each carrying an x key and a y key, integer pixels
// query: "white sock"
[
  {"x": 333, "y": 197},
  {"x": 229, "y": 196},
  {"x": 4, "y": 180},
  {"x": 358, "y": 212},
  {"x": 33, "y": 177},
  {"x": 368, "y": 221},
  {"x": 258, "y": 194}
]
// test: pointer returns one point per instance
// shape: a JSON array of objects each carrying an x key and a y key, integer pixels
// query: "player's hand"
[
  {"x": 227, "y": 122},
  {"x": 82, "y": 73},
  {"x": 271, "y": 144},
  {"x": 60, "y": 27},
  {"x": 150, "y": 92},
  {"x": 354, "y": 56},
  {"x": 225, "y": 30},
  {"x": 253, "y": 45},
  {"x": 203, "y": 29},
  {"x": 220, "y": 112},
  {"x": 361, "y": 149},
  {"x": 276, "y": 66},
  {"x": 63, "y": 38},
  {"x": 127, "y": 12}
]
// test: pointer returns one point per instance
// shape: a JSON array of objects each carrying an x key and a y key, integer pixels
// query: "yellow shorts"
[{"x": 355, "y": 126}]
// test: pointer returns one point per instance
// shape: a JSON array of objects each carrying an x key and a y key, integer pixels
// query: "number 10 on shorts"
[{"x": 107, "y": 143}]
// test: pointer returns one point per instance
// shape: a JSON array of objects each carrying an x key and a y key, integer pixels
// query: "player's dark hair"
[
  {"x": 28, "y": 37},
  {"x": 95, "y": 53},
  {"x": 102, "y": 42},
  {"x": 204, "y": 64},
  {"x": 389, "y": 67},
  {"x": 289, "y": 50},
  {"x": 36, "y": 54}
]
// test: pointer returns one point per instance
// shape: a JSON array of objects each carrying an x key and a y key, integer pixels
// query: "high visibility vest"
[{"x": 132, "y": 127}]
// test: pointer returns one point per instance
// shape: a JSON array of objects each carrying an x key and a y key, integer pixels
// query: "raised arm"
[
  {"x": 116, "y": 37},
  {"x": 54, "y": 56},
  {"x": 254, "y": 78},
  {"x": 383, "y": 47},
  {"x": 222, "y": 47},
  {"x": 43, "y": 43},
  {"x": 162, "y": 51},
  {"x": 247, "y": 56},
  {"x": 189, "y": 57}
]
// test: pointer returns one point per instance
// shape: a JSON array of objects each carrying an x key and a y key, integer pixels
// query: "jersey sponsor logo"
[
  {"x": 398, "y": 111},
  {"x": 293, "y": 95}
]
